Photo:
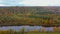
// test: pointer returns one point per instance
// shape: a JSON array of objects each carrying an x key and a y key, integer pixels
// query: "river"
[{"x": 27, "y": 28}]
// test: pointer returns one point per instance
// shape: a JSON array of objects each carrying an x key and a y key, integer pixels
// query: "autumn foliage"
[{"x": 42, "y": 16}]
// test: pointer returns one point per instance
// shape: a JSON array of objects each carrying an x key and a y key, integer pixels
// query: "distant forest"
[{"x": 33, "y": 16}]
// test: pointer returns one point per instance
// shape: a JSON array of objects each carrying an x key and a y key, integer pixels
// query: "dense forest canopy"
[{"x": 41, "y": 16}]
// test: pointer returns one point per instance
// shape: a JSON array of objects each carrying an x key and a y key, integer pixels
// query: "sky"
[{"x": 29, "y": 2}]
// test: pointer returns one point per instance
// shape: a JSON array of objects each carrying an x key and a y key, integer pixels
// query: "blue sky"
[{"x": 29, "y": 2}]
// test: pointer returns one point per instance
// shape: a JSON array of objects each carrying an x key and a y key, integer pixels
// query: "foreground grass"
[
  {"x": 43, "y": 33},
  {"x": 30, "y": 32}
]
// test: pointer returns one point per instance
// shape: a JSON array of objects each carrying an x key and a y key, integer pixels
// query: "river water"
[{"x": 27, "y": 28}]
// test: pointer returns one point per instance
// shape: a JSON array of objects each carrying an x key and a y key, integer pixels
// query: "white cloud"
[
  {"x": 2, "y": 5},
  {"x": 10, "y": 2},
  {"x": 29, "y": 2},
  {"x": 40, "y": 2}
]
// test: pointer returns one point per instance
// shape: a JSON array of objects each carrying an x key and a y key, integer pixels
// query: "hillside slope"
[{"x": 42, "y": 16}]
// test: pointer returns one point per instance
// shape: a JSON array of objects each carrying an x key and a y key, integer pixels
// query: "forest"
[{"x": 39, "y": 16}]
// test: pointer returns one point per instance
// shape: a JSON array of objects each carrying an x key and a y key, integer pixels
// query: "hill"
[{"x": 42, "y": 16}]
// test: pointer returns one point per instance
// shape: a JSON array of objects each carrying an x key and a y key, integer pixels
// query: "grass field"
[
  {"x": 19, "y": 32},
  {"x": 43, "y": 33}
]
